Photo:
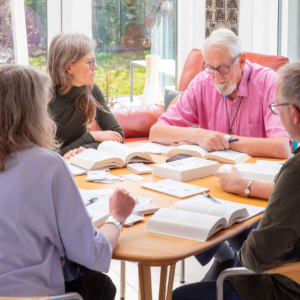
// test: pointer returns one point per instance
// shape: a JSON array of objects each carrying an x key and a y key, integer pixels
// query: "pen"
[
  {"x": 91, "y": 201},
  {"x": 211, "y": 198},
  {"x": 234, "y": 140}
]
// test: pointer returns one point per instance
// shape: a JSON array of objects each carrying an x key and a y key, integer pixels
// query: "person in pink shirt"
[{"x": 229, "y": 100}]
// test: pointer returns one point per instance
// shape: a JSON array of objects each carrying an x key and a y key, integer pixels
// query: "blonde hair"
[
  {"x": 24, "y": 117},
  {"x": 64, "y": 50}
]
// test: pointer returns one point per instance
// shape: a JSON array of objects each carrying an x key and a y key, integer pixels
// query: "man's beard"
[{"x": 226, "y": 90}]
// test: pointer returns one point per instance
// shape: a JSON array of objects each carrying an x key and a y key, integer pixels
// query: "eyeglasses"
[
  {"x": 92, "y": 63},
  {"x": 221, "y": 70},
  {"x": 275, "y": 110}
]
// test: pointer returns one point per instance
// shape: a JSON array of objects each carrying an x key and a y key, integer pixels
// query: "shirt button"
[
  {"x": 233, "y": 109},
  {"x": 232, "y": 126}
]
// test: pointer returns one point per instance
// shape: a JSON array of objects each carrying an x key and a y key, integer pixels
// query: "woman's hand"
[
  {"x": 121, "y": 204},
  {"x": 73, "y": 152},
  {"x": 232, "y": 182},
  {"x": 108, "y": 135}
]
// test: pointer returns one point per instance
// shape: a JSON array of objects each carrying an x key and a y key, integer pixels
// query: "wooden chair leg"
[{"x": 122, "y": 280}]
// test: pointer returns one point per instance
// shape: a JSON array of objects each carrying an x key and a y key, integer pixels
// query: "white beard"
[{"x": 226, "y": 90}]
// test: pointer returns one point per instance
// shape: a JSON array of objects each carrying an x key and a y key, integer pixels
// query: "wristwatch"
[
  {"x": 247, "y": 189},
  {"x": 227, "y": 136},
  {"x": 115, "y": 221}
]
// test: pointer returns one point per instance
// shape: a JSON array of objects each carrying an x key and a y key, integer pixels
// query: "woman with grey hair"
[{"x": 42, "y": 215}]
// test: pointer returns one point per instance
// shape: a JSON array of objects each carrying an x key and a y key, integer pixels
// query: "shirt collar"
[{"x": 243, "y": 87}]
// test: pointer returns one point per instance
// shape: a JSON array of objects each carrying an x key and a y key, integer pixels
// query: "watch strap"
[{"x": 116, "y": 221}]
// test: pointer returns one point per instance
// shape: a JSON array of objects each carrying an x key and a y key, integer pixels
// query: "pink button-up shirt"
[{"x": 201, "y": 104}]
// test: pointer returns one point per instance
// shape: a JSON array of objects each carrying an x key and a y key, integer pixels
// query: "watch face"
[
  {"x": 247, "y": 191},
  {"x": 227, "y": 136}
]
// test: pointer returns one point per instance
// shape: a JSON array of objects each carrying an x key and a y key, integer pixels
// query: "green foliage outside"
[{"x": 118, "y": 64}]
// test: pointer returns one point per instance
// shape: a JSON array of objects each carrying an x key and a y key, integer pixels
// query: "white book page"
[
  {"x": 115, "y": 149},
  {"x": 251, "y": 209},
  {"x": 154, "y": 148},
  {"x": 205, "y": 206},
  {"x": 99, "y": 208},
  {"x": 230, "y": 154},
  {"x": 270, "y": 163},
  {"x": 185, "y": 149},
  {"x": 93, "y": 155},
  {"x": 87, "y": 195},
  {"x": 186, "y": 218},
  {"x": 187, "y": 164},
  {"x": 175, "y": 188}
]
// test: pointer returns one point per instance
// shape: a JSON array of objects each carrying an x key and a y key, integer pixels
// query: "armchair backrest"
[{"x": 195, "y": 60}]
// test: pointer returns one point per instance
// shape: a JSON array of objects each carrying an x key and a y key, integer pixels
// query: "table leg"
[
  {"x": 131, "y": 82},
  {"x": 171, "y": 281},
  {"x": 145, "y": 282},
  {"x": 163, "y": 283}
]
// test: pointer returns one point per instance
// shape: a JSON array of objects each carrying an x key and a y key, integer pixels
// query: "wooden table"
[{"x": 153, "y": 249}]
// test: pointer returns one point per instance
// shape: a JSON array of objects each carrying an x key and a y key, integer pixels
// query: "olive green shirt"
[
  {"x": 276, "y": 241},
  {"x": 70, "y": 129}
]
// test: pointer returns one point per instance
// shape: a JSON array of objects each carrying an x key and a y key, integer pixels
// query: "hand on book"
[
  {"x": 211, "y": 140},
  {"x": 108, "y": 135},
  {"x": 73, "y": 152},
  {"x": 232, "y": 182},
  {"x": 121, "y": 204}
]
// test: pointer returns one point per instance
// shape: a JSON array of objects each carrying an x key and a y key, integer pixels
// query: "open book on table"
[
  {"x": 254, "y": 171},
  {"x": 109, "y": 154},
  {"x": 225, "y": 156},
  {"x": 199, "y": 218}
]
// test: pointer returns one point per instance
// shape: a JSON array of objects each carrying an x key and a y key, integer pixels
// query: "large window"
[
  {"x": 126, "y": 31},
  {"x": 36, "y": 32}
]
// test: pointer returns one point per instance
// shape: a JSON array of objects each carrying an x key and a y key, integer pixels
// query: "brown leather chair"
[{"x": 136, "y": 121}]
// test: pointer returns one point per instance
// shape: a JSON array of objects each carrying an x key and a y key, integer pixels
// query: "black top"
[
  {"x": 276, "y": 241},
  {"x": 70, "y": 129}
]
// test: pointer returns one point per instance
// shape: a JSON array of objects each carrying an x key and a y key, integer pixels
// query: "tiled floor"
[{"x": 194, "y": 272}]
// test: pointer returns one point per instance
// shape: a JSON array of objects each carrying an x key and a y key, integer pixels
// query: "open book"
[
  {"x": 254, "y": 171},
  {"x": 109, "y": 154},
  {"x": 199, "y": 218},
  {"x": 225, "y": 156}
]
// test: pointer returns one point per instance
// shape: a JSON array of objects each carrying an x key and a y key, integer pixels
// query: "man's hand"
[
  {"x": 73, "y": 152},
  {"x": 121, "y": 204},
  {"x": 212, "y": 140},
  {"x": 232, "y": 182},
  {"x": 108, "y": 135}
]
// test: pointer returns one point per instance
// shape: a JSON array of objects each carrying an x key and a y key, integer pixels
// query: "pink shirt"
[{"x": 201, "y": 104}]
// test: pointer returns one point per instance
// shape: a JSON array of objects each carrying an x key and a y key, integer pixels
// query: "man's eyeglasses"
[
  {"x": 275, "y": 107},
  {"x": 221, "y": 70},
  {"x": 92, "y": 63}
]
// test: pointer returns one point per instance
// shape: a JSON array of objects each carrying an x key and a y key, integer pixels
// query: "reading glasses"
[
  {"x": 222, "y": 70},
  {"x": 275, "y": 107},
  {"x": 92, "y": 62}
]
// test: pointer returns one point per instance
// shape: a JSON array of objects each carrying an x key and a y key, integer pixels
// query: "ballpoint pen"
[
  {"x": 234, "y": 140},
  {"x": 211, "y": 198},
  {"x": 91, "y": 201}
]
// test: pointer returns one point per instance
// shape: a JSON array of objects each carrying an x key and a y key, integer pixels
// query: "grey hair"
[
  {"x": 224, "y": 37},
  {"x": 289, "y": 83}
]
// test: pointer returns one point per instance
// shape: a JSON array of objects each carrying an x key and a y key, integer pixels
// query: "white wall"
[
  {"x": 77, "y": 16},
  {"x": 53, "y": 19}
]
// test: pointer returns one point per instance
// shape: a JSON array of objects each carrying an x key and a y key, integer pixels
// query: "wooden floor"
[{"x": 194, "y": 272}]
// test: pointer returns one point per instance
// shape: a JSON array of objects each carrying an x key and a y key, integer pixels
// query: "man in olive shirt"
[{"x": 276, "y": 240}]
